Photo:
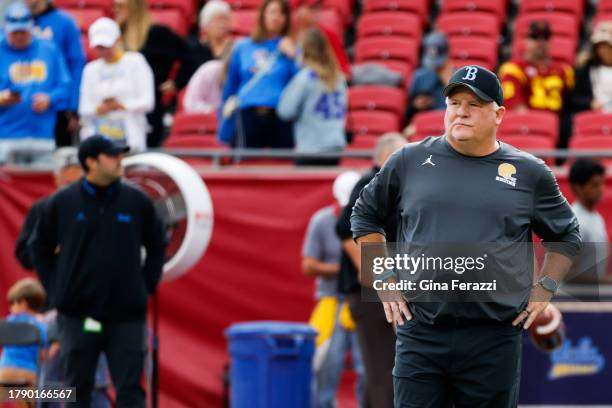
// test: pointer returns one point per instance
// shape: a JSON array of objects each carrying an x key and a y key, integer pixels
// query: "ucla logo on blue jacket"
[
  {"x": 81, "y": 216},
  {"x": 122, "y": 217}
]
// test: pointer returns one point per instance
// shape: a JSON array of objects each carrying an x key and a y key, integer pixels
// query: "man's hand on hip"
[
  {"x": 395, "y": 305},
  {"x": 539, "y": 299}
]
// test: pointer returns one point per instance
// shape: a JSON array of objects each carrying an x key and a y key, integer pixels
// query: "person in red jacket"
[{"x": 306, "y": 15}]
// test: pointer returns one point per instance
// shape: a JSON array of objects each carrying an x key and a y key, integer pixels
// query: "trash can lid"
[{"x": 269, "y": 328}]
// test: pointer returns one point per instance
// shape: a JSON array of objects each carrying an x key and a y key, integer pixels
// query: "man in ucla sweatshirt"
[
  {"x": 58, "y": 26},
  {"x": 34, "y": 84}
]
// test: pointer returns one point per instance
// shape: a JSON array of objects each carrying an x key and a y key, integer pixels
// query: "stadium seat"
[
  {"x": 533, "y": 123},
  {"x": 418, "y": 7},
  {"x": 474, "y": 24},
  {"x": 604, "y": 6},
  {"x": 561, "y": 25},
  {"x": 387, "y": 48},
  {"x": 530, "y": 143},
  {"x": 244, "y": 4},
  {"x": 473, "y": 50},
  {"x": 389, "y": 23},
  {"x": 360, "y": 143},
  {"x": 430, "y": 123},
  {"x": 573, "y": 7},
  {"x": 495, "y": 7},
  {"x": 243, "y": 22},
  {"x": 371, "y": 123},
  {"x": 171, "y": 18},
  {"x": 194, "y": 124},
  {"x": 561, "y": 49},
  {"x": 194, "y": 141},
  {"x": 186, "y": 7},
  {"x": 404, "y": 68},
  {"x": 342, "y": 7},
  {"x": 384, "y": 98},
  {"x": 106, "y": 5},
  {"x": 330, "y": 19},
  {"x": 85, "y": 17},
  {"x": 592, "y": 143},
  {"x": 588, "y": 124}
]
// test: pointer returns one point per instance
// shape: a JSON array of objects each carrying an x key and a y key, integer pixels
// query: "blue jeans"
[{"x": 328, "y": 377}]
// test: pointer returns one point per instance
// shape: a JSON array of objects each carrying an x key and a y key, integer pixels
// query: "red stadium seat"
[
  {"x": 372, "y": 123},
  {"x": 194, "y": 124},
  {"x": 495, "y": 7},
  {"x": 430, "y": 123},
  {"x": 561, "y": 25},
  {"x": 404, "y": 68},
  {"x": 533, "y": 123},
  {"x": 473, "y": 50},
  {"x": 85, "y": 17},
  {"x": 244, "y": 22},
  {"x": 593, "y": 143},
  {"x": 530, "y": 143},
  {"x": 194, "y": 141},
  {"x": 387, "y": 48},
  {"x": 561, "y": 49},
  {"x": 604, "y": 6},
  {"x": 588, "y": 124},
  {"x": 377, "y": 98},
  {"x": 330, "y": 19},
  {"x": 244, "y": 4},
  {"x": 171, "y": 18},
  {"x": 389, "y": 23},
  {"x": 187, "y": 7},
  {"x": 360, "y": 143},
  {"x": 474, "y": 24},
  {"x": 418, "y": 7},
  {"x": 106, "y": 5},
  {"x": 573, "y": 7}
]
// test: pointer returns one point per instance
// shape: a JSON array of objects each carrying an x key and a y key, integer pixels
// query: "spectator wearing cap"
[
  {"x": 34, "y": 85},
  {"x": 162, "y": 48},
  {"x": 594, "y": 74},
  {"x": 535, "y": 81},
  {"x": 66, "y": 169},
  {"x": 428, "y": 82},
  {"x": 58, "y": 26},
  {"x": 102, "y": 283},
  {"x": 116, "y": 90},
  {"x": 307, "y": 15}
]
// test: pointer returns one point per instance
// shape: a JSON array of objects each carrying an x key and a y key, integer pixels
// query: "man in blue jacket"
[
  {"x": 58, "y": 26},
  {"x": 34, "y": 85}
]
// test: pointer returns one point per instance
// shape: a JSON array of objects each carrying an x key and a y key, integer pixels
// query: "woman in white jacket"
[{"x": 117, "y": 89}]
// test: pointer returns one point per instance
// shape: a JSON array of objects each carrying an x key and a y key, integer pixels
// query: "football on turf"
[{"x": 547, "y": 331}]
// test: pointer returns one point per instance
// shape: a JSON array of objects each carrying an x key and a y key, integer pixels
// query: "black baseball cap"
[
  {"x": 479, "y": 80},
  {"x": 95, "y": 145}
]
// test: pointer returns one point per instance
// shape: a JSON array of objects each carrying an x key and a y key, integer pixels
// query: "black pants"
[
  {"x": 377, "y": 342},
  {"x": 155, "y": 118},
  {"x": 125, "y": 346},
  {"x": 63, "y": 137},
  {"x": 464, "y": 367},
  {"x": 262, "y": 128}
]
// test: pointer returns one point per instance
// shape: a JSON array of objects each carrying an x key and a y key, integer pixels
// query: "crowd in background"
[{"x": 284, "y": 86}]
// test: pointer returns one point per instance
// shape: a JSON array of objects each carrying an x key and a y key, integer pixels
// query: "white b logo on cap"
[{"x": 471, "y": 73}]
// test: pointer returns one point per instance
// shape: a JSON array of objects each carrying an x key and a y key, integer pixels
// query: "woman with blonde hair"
[
  {"x": 316, "y": 100},
  {"x": 161, "y": 48},
  {"x": 260, "y": 67}
]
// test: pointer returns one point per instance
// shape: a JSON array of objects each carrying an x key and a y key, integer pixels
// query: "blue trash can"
[{"x": 271, "y": 364}]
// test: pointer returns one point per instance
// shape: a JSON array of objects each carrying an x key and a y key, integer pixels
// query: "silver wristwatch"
[{"x": 549, "y": 284}]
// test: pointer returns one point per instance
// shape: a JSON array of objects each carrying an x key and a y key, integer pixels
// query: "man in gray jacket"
[{"x": 467, "y": 187}]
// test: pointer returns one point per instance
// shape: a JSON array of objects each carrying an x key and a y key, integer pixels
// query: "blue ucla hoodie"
[
  {"x": 59, "y": 27},
  {"x": 39, "y": 68},
  {"x": 249, "y": 56}
]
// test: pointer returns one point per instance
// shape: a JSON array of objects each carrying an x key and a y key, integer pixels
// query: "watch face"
[{"x": 549, "y": 284}]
